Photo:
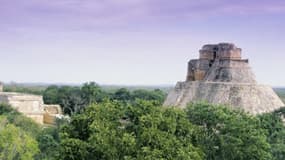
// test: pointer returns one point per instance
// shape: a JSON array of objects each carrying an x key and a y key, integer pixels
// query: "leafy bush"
[
  {"x": 229, "y": 134},
  {"x": 49, "y": 140},
  {"x": 275, "y": 132},
  {"x": 6, "y": 109},
  {"x": 19, "y": 120},
  {"x": 16, "y": 143},
  {"x": 140, "y": 131},
  {"x": 145, "y": 130}
]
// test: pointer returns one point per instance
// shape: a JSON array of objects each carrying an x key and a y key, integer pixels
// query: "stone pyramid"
[{"x": 221, "y": 76}]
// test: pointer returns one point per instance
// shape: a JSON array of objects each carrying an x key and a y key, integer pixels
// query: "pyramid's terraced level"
[{"x": 221, "y": 76}]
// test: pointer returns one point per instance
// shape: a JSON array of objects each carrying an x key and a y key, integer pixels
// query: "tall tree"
[
  {"x": 15, "y": 143},
  {"x": 229, "y": 134},
  {"x": 143, "y": 130}
]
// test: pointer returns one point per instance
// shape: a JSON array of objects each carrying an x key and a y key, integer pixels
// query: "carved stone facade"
[
  {"x": 221, "y": 76},
  {"x": 51, "y": 112},
  {"x": 32, "y": 106},
  {"x": 222, "y": 63}
]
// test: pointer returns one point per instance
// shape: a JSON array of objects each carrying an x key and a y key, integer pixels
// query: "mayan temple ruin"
[
  {"x": 31, "y": 106},
  {"x": 221, "y": 76}
]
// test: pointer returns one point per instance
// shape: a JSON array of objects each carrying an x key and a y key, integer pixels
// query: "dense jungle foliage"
[{"x": 132, "y": 124}]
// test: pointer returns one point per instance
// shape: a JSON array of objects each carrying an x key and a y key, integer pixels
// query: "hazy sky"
[{"x": 134, "y": 41}]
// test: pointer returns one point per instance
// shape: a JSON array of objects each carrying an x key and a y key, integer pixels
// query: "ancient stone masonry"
[
  {"x": 32, "y": 106},
  {"x": 29, "y": 105},
  {"x": 221, "y": 76}
]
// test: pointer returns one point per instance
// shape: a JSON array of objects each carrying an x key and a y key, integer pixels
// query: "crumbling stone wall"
[
  {"x": 51, "y": 113},
  {"x": 32, "y": 106},
  {"x": 220, "y": 51},
  {"x": 221, "y": 62},
  {"x": 29, "y": 105}
]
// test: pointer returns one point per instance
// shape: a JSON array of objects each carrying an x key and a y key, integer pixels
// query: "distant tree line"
[
  {"x": 74, "y": 99},
  {"x": 281, "y": 93},
  {"x": 37, "y": 90}
]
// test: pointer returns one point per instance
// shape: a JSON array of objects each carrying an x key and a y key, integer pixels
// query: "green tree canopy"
[
  {"x": 229, "y": 134},
  {"x": 15, "y": 143},
  {"x": 275, "y": 132},
  {"x": 143, "y": 130}
]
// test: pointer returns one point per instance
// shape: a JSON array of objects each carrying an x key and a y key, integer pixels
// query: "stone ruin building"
[
  {"x": 221, "y": 76},
  {"x": 31, "y": 106}
]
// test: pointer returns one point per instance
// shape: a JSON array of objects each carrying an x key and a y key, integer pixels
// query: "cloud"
[{"x": 88, "y": 14}]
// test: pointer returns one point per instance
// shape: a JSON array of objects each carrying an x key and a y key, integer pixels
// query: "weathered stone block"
[
  {"x": 31, "y": 106},
  {"x": 220, "y": 76},
  {"x": 52, "y": 112},
  {"x": 252, "y": 98}
]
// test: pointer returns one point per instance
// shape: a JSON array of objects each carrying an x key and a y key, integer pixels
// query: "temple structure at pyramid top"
[
  {"x": 221, "y": 76},
  {"x": 220, "y": 63}
]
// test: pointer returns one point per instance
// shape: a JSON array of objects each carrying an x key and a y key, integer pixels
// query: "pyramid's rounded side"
[{"x": 252, "y": 98}]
